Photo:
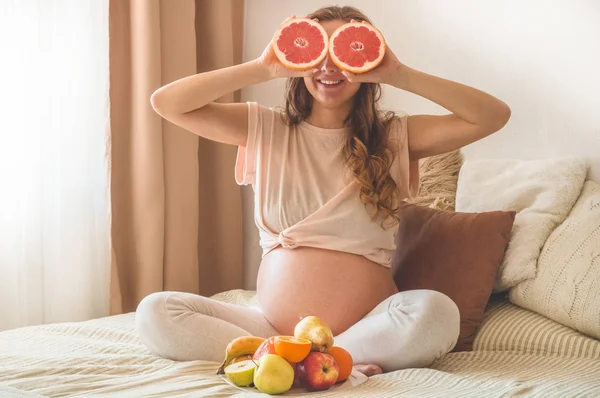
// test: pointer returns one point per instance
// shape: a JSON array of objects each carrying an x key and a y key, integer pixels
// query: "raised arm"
[
  {"x": 188, "y": 102},
  {"x": 474, "y": 113}
]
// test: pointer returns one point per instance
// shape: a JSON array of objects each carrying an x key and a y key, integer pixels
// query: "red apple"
[
  {"x": 266, "y": 347},
  {"x": 318, "y": 371}
]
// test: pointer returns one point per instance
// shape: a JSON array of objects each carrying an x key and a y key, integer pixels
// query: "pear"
[
  {"x": 274, "y": 375},
  {"x": 241, "y": 373},
  {"x": 315, "y": 330}
]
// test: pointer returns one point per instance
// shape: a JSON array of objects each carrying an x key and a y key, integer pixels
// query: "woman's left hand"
[{"x": 389, "y": 71}]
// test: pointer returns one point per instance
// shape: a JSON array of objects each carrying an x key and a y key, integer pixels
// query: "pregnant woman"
[{"x": 328, "y": 172}]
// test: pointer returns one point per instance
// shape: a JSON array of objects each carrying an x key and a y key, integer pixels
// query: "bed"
[
  {"x": 540, "y": 338},
  {"x": 516, "y": 353}
]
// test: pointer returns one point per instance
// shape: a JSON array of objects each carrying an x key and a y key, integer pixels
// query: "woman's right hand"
[{"x": 275, "y": 68}]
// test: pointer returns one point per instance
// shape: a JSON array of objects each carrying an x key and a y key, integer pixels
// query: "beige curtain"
[
  {"x": 176, "y": 211},
  {"x": 219, "y": 33}
]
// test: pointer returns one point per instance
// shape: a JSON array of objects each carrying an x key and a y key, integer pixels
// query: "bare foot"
[{"x": 368, "y": 369}]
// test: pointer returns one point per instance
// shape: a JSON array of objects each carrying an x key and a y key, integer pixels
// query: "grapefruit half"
[
  {"x": 300, "y": 43},
  {"x": 356, "y": 47}
]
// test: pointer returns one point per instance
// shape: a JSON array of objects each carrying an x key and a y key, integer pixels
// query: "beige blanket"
[{"x": 518, "y": 353}]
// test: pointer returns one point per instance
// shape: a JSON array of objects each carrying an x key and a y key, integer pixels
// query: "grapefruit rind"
[
  {"x": 303, "y": 66},
  {"x": 367, "y": 66}
]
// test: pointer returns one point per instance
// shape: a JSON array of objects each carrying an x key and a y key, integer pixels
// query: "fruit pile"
[{"x": 307, "y": 359}]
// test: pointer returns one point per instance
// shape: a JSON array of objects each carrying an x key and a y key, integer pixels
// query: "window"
[{"x": 54, "y": 246}]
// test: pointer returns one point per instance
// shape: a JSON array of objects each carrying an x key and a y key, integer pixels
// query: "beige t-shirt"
[{"x": 304, "y": 194}]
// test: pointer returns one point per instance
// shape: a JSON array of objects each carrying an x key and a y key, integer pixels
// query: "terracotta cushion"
[{"x": 455, "y": 253}]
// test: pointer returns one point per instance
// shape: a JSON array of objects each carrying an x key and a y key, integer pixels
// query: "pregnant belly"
[{"x": 338, "y": 287}]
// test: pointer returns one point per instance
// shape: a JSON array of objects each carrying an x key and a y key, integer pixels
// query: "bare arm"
[
  {"x": 189, "y": 102},
  {"x": 475, "y": 114}
]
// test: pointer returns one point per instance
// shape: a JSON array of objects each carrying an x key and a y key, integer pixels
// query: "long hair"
[{"x": 366, "y": 151}]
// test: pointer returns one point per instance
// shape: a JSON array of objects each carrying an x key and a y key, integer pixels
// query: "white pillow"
[
  {"x": 541, "y": 192},
  {"x": 567, "y": 285}
]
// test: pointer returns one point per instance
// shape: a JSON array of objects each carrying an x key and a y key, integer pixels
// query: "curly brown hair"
[{"x": 366, "y": 152}]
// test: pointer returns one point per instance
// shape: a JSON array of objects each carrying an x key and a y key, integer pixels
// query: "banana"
[{"x": 240, "y": 346}]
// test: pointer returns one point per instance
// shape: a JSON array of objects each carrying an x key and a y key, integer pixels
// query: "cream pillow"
[
  {"x": 542, "y": 192},
  {"x": 567, "y": 285}
]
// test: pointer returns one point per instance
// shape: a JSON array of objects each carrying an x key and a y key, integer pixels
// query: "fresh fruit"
[
  {"x": 344, "y": 362},
  {"x": 274, "y": 374},
  {"x": 292, "y": 348},
  {"x": 315, "y": 330},
  {"x": 297, "y": 376},
  {"x": 300, "y": 43},
  {"x": 318, "y": 371},
  {"x": 240, "y": 346},
  {"x": 241, "y": 358},
  {"x": 296, "y": 380},
  {"x": 356, "y": 47},
  {"x": 266, "y": 347},
  {"x": 241, "y": 373}
]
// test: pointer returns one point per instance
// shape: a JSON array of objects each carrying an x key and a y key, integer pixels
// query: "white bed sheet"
[{"x": 516, "y": 352}]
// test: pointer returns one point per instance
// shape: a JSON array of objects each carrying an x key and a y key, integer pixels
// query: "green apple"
[
  {"x": 241, "y": 373},
  {"x": 274, "y": 375}
]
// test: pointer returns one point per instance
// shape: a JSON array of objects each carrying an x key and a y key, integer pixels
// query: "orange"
[
  {"x": 344, "y": 361},
  {"x": 294, "y": 349}
]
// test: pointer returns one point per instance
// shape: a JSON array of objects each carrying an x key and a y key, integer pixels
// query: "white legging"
[{"x": 407, "y": 330}]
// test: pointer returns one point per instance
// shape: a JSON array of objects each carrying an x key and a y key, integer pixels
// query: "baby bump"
[{"x": 341, "y": 288}]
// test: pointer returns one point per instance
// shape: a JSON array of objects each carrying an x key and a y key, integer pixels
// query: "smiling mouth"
[{"x": 330, "y": 83}]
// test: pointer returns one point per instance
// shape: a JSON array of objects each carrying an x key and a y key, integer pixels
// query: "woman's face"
[{"x": 328, "y": 86}]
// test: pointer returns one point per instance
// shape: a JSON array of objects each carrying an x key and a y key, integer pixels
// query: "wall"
[{"x": 541, "y": 57}]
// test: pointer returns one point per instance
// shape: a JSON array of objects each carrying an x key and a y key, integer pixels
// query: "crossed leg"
[{"x": 408, "y": 329}]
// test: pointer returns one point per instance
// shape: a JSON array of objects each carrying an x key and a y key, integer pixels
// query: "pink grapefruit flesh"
[
  {"x": 300, "y": 43},
  {"x": 356, "y": 47}
]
